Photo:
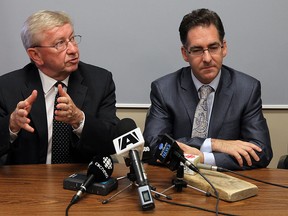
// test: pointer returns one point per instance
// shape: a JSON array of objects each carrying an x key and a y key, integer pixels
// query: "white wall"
[{"x": 138, "y": 41}]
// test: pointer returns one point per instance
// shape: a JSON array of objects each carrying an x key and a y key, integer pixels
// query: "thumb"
[
  {"x": 32, "y": 97},
  {"x": 61, "y": 91}
]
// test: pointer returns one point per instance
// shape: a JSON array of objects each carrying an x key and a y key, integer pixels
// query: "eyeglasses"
[
  {"x": 63, "y": 44},
  {"x": 199, "y": 51}
]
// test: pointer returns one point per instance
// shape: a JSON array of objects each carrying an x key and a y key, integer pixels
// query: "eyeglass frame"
[
  {"x": 62, "y": 42},
  {"x": 219, "y": 47}
]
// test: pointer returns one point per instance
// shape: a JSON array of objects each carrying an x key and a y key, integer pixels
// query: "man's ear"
[
  {"x": 34, "y": 55},
  {"x": 184, "y": 53},
  {"x": 224, "y": 49}
]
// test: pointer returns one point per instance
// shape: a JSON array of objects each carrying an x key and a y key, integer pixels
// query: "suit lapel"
[
  {"x": 76, "y": 90},
  {"x": 38, "y": 111},
  {"x": 222, "y": 101},
  {"x": 189, "y": 94}
]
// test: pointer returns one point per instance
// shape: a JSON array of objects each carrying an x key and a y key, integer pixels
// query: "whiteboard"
[{"x": 138, "y": 41}]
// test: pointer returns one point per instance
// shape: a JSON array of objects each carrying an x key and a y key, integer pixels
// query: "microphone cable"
[
  {"x": 249, "y": 177},
  {"x": 216, "y": 211},
  {"x": 191, "y": 206},
  {"x": 195, "y": 169},
  {"x": 67, "y": 208},
  {"x": 214, "y": 189}
]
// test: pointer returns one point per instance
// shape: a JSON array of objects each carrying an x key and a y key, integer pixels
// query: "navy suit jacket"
[
  {"x": 93, "y": 91},
  {"x": 236, "y": 114}
]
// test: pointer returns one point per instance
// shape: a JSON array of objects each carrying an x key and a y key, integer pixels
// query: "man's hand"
[
  {"x": 191, "y": 150},
  {"x": 66, "y": 109},
  {"x": 237, "y": 149},
  {"x": 19, "y": 119}
]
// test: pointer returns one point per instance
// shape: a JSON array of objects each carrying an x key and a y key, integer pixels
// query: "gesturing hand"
[
  {"x": 19, "y": 119},
  {"x": 67, "y": 111}
]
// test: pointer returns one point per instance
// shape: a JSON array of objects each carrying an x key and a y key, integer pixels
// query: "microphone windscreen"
[
  {"x": 101, "y": 167},
  {"x": 124, "y": 126},
  {"x": 167, "y": 152}
]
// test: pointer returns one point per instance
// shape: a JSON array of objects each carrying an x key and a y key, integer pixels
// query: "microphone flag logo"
[{"x": 107, "y": 162}]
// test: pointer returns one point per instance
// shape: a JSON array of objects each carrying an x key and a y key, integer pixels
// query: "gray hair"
[{"x": 37, "y": 23}]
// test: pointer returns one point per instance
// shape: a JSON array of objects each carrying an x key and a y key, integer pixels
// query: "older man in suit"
[
  {"x": 86, "y": 102},
  {"x": 237, "y": 136}
]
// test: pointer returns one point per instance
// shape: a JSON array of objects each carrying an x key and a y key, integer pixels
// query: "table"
[{"x": 38, "y": 190}]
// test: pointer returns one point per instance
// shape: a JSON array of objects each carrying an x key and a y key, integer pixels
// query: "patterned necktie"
[
  {"x": 60, "y": 137},
  {"x": 200, "y": 124}
]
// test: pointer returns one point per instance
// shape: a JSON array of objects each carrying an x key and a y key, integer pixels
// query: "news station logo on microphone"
[
  {"x": 101, "y": 166},
  {"x": 166, "y": 152},
  {"x": 128, "y": 141},
  {"x": 163, "y": 151}
]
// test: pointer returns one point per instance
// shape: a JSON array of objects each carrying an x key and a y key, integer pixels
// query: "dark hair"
[{"x": 200, "y": 17}]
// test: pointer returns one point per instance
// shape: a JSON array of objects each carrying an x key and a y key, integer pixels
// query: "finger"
[
  {"x": 32, "y": 97},
  {"x": 61, "y": 106},
  {"x": 253, "y": 154},
  {"x": 28, "y": 128},
  {"x": 253, "y": 146},
  {"x": 22, "y": 105},
  {"x": 239, "y": 159},
  {"x": 247, "y": 157},
  {"x": 23, "y": 122},
  {"x": 61, "y": 91},
  {"x": 21, "y": 113},
  {"x": 250, "y": 149}
]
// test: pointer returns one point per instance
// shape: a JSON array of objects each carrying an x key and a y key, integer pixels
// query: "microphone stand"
[
  {"x": 132, "y": 177},
  {"x": 179, "y": 183}
]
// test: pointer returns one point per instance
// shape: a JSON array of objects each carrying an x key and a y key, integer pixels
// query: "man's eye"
[
  {"x": 213, "y": 48},
  {"x": 196, "y": 50},
  {"x": 60, "y": 43}
]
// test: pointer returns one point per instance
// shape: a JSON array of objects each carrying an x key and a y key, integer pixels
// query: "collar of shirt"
[
  {"x": 48, "y": 82},
  {"x": 213, "y": 84}
]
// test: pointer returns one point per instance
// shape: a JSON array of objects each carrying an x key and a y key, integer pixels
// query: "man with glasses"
[
  {"x": 85, "y": 102},
  {"x": 229, "y": 130}
]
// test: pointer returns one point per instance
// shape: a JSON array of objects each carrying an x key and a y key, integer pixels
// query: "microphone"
[
  {"x": 170, "y": 154},
  {"x": 144, "y": 191},
  {"x": 99, "y": 169},
  {"x": 209, "y": 167},
  {"x": 194, "y": 159},
  {"x": 138, "y": 168},
  {"x": 129, "y": 145},
  {"x": 129, "y": 137}
]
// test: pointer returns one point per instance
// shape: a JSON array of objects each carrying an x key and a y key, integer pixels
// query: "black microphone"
[
  {"x": 124, "y": 126},
  {"x": 170, "y": 154},
  {"x": 129, "y": 137},
  {"x": 99, "y": 169},
  {"x": 129, "y": 144}
]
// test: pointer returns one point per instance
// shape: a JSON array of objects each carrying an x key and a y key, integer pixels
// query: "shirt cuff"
[
  {"x": 209, "y": 158},
  {"x": 78, "y": 131},
  {"x": 13, "y": 136},
  {"x": 206, "y": 148}
]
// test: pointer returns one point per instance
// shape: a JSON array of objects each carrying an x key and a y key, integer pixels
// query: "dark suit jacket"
[
  {"x": 236, "y": 114},
  {"x": 93, "y": 91}
]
